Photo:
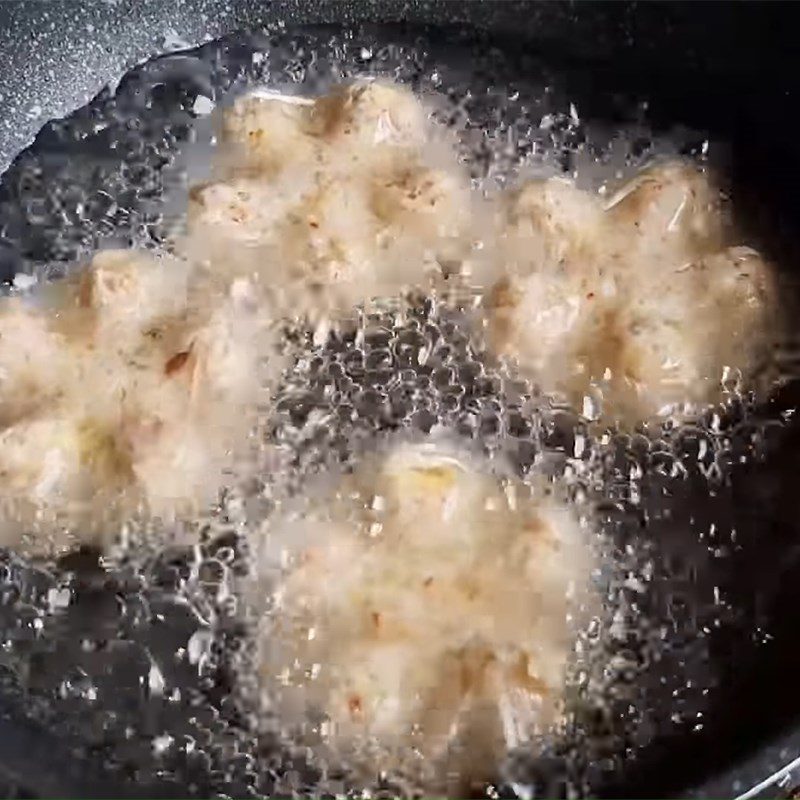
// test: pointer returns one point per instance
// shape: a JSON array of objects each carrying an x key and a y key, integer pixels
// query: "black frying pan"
[{"x": 727, "y": 71}]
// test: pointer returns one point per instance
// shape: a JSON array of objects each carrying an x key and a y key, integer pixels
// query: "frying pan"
[{"x": 715, "y": 710}]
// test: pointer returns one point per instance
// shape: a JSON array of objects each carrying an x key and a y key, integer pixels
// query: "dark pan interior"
[{"x": 730, "y": 70}]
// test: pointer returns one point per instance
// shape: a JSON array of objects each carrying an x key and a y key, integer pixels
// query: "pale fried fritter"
[
  {"x": 636, "y": 307},
  {"x": 426, "y": 606},
  {"x": 375, "y": 211},
  {"x": 134, "y": 390}
]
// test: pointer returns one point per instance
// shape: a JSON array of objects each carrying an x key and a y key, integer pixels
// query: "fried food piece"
[
  {"x": 669, "y": 214},
  {"x": 128, "y": 287},
  {"x": 551, "y": 221},
  {"x": 426, "y": 607},
  {"x": 369, "y": 124},
  {"x": 358, "y": 127},
  {"x": 424, "y": 216},
  {"x": 338, "y": 242},
  {"x": 269, "y": 134},
  {"x": 234, "y": 227},
  {"x": 184, "y": 425},
  {"x": 635, "y": 309},
  {"x": 311, "y": 255},
  {"x": 364, "y": 215},
  {"x": 29, "y": 361},
  {"x": 141, "y": 388},
  {"x": 219, "y": 376}
]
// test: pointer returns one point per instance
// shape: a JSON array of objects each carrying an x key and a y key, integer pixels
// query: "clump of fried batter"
[
  {"x": 126, "y": 391},
  {"x": 333, "y": 202},
  {"x": 424, "y": 610},
  {"x": 636, "y": 306}
]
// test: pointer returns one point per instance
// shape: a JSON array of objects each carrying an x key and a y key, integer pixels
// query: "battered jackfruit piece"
[
  {"x": 378, "y": 208},
  {"x": 361, "y": 126},
  {"x": 331, "y": 244},
  {"x": 41, "y": 459},
  {"x": 667, "y": 216},
  {"x": 551, "y": 222},
  {"x": 30, "y": 365},
  {"x": 425, "y": 217},
  {"x": 368, "y": 125},
  {"x": 638, "y": 355},
  {"x": 244, "y": 211},
  {"x": 269, "y": 134},
  {"x": 234, "y": 226},
  {"x": 635, "y": 308},
  {"x": 335, "y": 243},
  {"x": 718, "y": 321},
  {"x": 63, "y": 465},
  {"x": 423, "y": 609},
  {"x": 186, "y": 426},
  {"x": 554, "y": 275},
  {"x": 382, "y": 134},
  {"x": 538, "y": 322},
  {"x": 310, "y": 254},
  {"x": 114, "y": 297},
  {"x": 152, "y": 394},
  {"x": 126, "y": 287}
]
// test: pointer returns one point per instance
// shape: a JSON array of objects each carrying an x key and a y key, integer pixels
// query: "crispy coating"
[
  {"x": 433, "y": 598},
  {"x": 637, "y": 307},
  {"x": 363, "y": 202},
  {"x": 130, "y": 395}
]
